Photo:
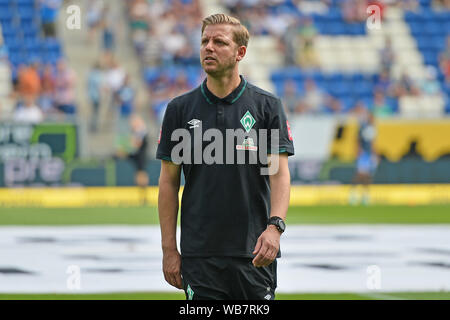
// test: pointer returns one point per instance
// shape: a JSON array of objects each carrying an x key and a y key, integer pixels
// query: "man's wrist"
[
  {"x": 273, "y": 228},
  {"x": 168, "y": 249},
  {"x": 278, "y": 223}
]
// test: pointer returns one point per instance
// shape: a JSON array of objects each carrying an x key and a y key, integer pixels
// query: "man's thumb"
[{"x": 258, "y": 246}]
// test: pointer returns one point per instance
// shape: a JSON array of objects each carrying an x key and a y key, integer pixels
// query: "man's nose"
[{"x": 209, "y": 46}]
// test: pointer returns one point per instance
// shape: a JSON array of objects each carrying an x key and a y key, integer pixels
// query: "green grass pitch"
[{"x": 435, "y": 214}]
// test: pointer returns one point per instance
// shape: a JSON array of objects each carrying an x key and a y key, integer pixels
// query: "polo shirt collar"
[{"x": 230, "y": 99}]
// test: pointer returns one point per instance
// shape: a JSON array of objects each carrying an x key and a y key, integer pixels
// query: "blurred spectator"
[
  {"x": 125, "y": 101},
  {"x": 381, "y": 109},
  {"x": 114, "y": 75},
  {"x": 94, "y": 17},
  {"x": 430, "y": 86},
  {"x": 94, "y": 87},
  {"x": 28, "y": 112},
  {"x": 306, "y": 54},
  {"x": 410, "y": 5},
  {"x": 65, "y": 89},
  {"x": 354, "y": 10},
  {"x": 3, "y": 48},
  {"x": 160, "y": 90},
  {"x": 48, "y": 89},
  {"x": 29, "y": 82},
  {"x": 367, "y": 159},
  {"x": 405, "y": 86},
  {"x": 387, "y": 56},
  {"x": 444, "y": 61},
  {"x": 290, "y": 96},
  {"x": 384, "y": 83},
  {"x": 181, "y": 84},
  {"x": 49, "y": 14},
  {"x": 313, "y": 6},
  {"x": 332, "y": 105},
  {"x": 137, "y": 152},
  {"x": 107, "y": 25},
  {"x": 277, "y": 24},
  {"x": 441, "y": 4},
  {"x": 288, "y": 43},
  {"x": 139, "y": 12},
  {"x": 313, "y": 99},
  {"x": 166, "y": 34}
]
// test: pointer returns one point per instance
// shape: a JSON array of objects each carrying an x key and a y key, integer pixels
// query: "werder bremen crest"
[
  {"x": 190, "y": 292},
  {"x": 248, "y": 121}
]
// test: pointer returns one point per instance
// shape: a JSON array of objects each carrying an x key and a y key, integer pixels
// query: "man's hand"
[
  {"x": 267, "y": 247},
  {"x": 172, "y": 268}
]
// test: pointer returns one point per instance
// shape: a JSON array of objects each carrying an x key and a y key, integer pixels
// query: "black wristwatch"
[{"x": 277, "y": 222}]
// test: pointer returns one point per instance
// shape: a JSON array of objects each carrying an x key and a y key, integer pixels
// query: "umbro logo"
[{"x": 195, "y": 123}]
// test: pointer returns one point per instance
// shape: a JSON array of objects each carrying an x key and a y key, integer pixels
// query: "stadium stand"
[
  {"x": 328, "y": 43},
  {"x": 319, "y": 55},
  {"x": 26, "y": 43}
]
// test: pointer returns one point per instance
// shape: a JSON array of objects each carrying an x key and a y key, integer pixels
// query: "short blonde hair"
[{"x": 240, "y": 33}]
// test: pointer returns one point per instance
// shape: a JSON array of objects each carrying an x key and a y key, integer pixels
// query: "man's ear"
[{"x": 242, "y": 50}]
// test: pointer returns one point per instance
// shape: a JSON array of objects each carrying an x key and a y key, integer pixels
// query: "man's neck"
[{"x": 222, "y": 87}]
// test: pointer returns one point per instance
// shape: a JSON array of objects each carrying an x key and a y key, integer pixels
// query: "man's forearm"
[
  {"x": 168, "y": 214},
  {"x": 280, "y": 188}
]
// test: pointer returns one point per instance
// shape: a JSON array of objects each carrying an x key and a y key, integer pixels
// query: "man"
[
  {"x": 228, "y": 243},
  {"x": 367, "y": 161}
]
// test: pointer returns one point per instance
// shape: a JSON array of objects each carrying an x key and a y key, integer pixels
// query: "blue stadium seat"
[
  {"x": 25, "y": 2},
  {"x": 9, "y": 29},
  {"x": 336, "y": 28},
  {"x": 426, "y": 3},
  {"x": 355, "y": 29},
  {"x": 51, "y": 58},
  {"x": 340, "y": 89},
  {"x": 362, "y": 89},
  {"x": 393, "y": 103},
  {"x": 433, "y": 28},
  {"x": 347, "y": 103},
  {"x": 30, "y": 31},
  {"x": 424, "y": 42},
  {"x": 416, "y": 28},
  {"x": 430, "y": 57},
  {"x": 6, "y": 13},
  {"x": 151, "y": 74},
  {"x": 15, "y": 47},
  {"x": 438, "y": 43},
  {"x": 26, "y": 12},
  {"x": 32, "y": 44},
  {"x": 334, "y": 13},
  {"x": 52, "y": 45},
  {"x": 17, "y": 59}
]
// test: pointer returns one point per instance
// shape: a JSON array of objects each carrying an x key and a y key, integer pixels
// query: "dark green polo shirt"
[{"x": 225, "y": 206}]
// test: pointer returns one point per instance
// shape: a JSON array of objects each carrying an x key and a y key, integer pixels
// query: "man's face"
[{"x": 218, "y": 52}]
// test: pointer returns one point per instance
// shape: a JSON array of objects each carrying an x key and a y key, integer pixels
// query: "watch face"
[{"x": 281, "y": 225}]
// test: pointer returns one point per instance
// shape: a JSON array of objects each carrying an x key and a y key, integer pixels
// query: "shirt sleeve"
[
  {"x": 278, "y": 120},
  {"x": 170, "y": 123}
]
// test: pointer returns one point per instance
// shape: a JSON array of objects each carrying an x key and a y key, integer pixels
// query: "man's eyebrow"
[{"x": 218, "y": 37}]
